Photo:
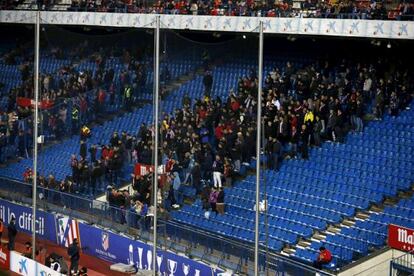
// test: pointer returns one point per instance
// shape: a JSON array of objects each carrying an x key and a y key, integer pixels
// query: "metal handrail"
[{"x": 200, "y": 234}]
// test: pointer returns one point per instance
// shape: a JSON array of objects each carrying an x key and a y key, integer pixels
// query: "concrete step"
[
  {"x": 348, "y": 222},
  {"x": 362, "y": 215},
  {"x": 333, "y": 229},
  {"x": 319, "y": 237},
  {"x": 405, "y": 194},
  {"x": 304, "y": 243},
  {"x": 376, "y": 209}
]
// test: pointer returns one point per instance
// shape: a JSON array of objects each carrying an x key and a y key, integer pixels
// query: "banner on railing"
[
  {"x": 67, "y": 230},
  {"x": 96, "y": 242},
  {"x": 27, "y": 267},
  {"x": 142, "y": 169},
  {"x": 400, "y": 238},
  {"x": 290, "y": 25},
  {"x": 27, "y": 102},
  {"x": 116, "y": 248},
  {"x": 4, "y": 259},
  {"x": 45, "y": 222}
]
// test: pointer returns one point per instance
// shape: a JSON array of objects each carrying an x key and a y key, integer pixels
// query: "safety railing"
[
  {"x": 403, "y": 264},
  {"x": 201, "y": 245}
]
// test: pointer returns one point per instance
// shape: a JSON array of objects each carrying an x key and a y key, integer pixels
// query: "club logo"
[
  {"x": 23, "y": 266},
  {"x": 105, "y": 241}
]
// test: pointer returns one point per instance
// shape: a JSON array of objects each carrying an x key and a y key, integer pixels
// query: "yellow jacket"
[{"x": 308, "y": 117}]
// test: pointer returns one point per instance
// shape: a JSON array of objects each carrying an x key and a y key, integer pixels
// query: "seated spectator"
[{"x": 325, "y": 257}]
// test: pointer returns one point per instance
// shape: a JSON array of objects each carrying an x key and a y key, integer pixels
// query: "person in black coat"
[
  {"x": 276, "y": 153},
  {"x": 196, "y": 177},
  {"x": 12, "y": 232},
  {"x": 304, "y": 138},
  {"x": 83, "y": 150},
  {"x": 220, "y": 201},
  {"x": 92, "y": 152},
  {"x": 208, "y": 82},
  {"x": 74, "y": 254}
]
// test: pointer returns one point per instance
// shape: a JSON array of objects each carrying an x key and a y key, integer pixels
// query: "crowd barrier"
[
  {"x": 304, "y": 26},
  {"x": 172, "y": 236},
  {"x": 96, "y": 242},
  {"x": 28, "y": 267}
]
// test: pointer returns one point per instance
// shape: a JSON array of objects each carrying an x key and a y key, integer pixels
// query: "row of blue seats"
[
  {"x": 368, "y": 183},
  {"x": 369, "y": 233}
]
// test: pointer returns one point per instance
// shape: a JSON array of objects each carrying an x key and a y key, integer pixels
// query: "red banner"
[
  {"x": 142, "y": 169},
  {"x": 400, "y": 238},
  {"x": 27, "y": 102},
  {"x": 4, "y": 259}
]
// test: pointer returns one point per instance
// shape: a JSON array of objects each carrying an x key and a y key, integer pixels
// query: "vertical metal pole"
[
  {"x": 258, "y": 135},
  {"x": 35, "y": 130},
  {"x": 156, "y": 95}
]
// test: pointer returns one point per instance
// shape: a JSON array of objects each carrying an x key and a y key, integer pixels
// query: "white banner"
[
  {"x": 27, "y": 267},
  {"x": 303, "y": 26}
]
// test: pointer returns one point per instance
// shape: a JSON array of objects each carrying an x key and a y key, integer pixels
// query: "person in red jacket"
[{"x": 325, "y": 257}]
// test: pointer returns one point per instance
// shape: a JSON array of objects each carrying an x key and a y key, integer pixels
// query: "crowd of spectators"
[
  {"x": 70, "y": 97},
  {"x": 282, "y": 8},
  {"x": 205, "y": 143},
  {"x": 279, "y": 8}
]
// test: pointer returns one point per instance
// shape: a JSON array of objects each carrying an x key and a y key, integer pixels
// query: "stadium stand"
[
  {"x": 322, "y": 163},
  {"x": 304, "y": 198},
  {"x": 61, "y": 154}
]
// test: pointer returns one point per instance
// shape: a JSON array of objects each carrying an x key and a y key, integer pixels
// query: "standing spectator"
[
  {"x": 178, "y": 196},
  {"x": 228, "y": 172},
  {"x": 12, "y": 232},
  {"x": 83, "y": 150},
  {"x": 317, "y": 130},
  {"x": 217, "y": 171},
  {"x": 128, "y": 97},
  {"x": 196, "y": 177},
  {"x": 276, "y": 153},
  {"x": 74, "y": 163},
  {"x": 331, "y": 125},
  {"x": 394, "y": 103},
  {"x": 92, "y": 151},
  {"x": 73, "y": 252},
  {"x": 208, "y": 82},
  {"x": 85, "y": 178},
  {"x": 220, "y": 201},
  {"x": 304, "y": 136},
  {"x": 213, "y": 199},
  {"x": 75, "y": 119}
]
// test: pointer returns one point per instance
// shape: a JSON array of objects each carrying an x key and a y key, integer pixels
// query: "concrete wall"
[{"x": 378, "y": 265}]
